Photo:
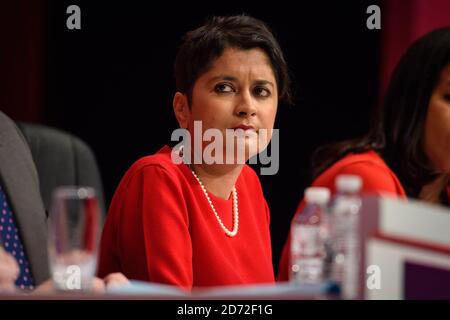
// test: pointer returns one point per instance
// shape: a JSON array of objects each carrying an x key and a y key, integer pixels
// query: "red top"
[
  {"x": 161, "y": 228},
  {"x": 377, "y": 179}
]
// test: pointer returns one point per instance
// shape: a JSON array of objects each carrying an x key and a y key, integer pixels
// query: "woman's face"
[
  {"x": 437, "y": 124},
  {"x": 239, "y": 90}
]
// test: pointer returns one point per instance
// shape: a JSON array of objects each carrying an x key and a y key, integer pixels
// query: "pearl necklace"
[{"x": 235, "y": 209}]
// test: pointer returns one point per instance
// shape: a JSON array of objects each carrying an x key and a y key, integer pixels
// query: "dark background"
[{"x": 111, "y": 83}]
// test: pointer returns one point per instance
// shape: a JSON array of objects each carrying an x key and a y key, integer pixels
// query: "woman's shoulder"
[
  {"x": 249, "y": 174},
  {"x": 159, "y": 162},
  {"x": 376, "y": 175},
  {"x": 249, "y": 180},
  {"x": 160, "y": 158},
  {"x": 369, "y": 157}
]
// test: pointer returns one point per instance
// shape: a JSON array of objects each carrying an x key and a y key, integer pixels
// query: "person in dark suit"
[
  {"x": 23, "y": 218},
  {"x": 19, "y": 185}
]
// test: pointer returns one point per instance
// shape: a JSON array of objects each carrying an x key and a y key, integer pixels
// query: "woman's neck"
[
  {"x": 433, "y": 191},
  {"x": 218, "y": 179}
]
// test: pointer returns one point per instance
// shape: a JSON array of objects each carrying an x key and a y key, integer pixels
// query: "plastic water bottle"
[
  {"x": 345, "y": 216},
  {"x": 307, "y": 245}
]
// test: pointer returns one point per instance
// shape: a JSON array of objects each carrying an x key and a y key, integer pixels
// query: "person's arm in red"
[
  {"x": 152, "y": 228},
  {"x": 376, "y": 180}
]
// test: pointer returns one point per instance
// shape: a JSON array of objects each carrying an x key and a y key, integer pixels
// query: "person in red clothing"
[
  {"x": 407, "y": 151},
  {"x": 203, "y": 224}
]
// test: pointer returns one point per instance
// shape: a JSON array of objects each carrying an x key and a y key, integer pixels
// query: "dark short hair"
[
  {"x": 203, "y": 45},
  {"x": 397, "y": 131}
]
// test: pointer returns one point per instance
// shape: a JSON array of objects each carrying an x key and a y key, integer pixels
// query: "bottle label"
[
  {"x": 307, "y": 254},
  {"x": 345, "y": 245},
  {"x": 306, "y": 240},
  {"x": 308, "y": 270}
]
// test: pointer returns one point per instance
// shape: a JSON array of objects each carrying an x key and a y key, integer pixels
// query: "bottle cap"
[
  {"x": 348, "y": 183},
  {"x": 319, "y": 195}
]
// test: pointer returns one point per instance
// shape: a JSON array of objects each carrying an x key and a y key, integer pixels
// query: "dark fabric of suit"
[{"x": 20, "y": 182}]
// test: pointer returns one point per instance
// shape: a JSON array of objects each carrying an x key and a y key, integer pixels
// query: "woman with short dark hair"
[{"x": 189, "y": 223}]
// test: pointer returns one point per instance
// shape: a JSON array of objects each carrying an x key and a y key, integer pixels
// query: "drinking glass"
[{"x": 74, "y": 228}]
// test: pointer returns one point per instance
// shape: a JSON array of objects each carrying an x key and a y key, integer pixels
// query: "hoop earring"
[{"x": 180, "y": 151}]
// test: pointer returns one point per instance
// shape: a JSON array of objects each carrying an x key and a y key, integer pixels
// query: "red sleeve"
[
  {"x": 154, "y": 206},
  {"x": 376, "y": 179},
  {"x": 283, "y": 267}
]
